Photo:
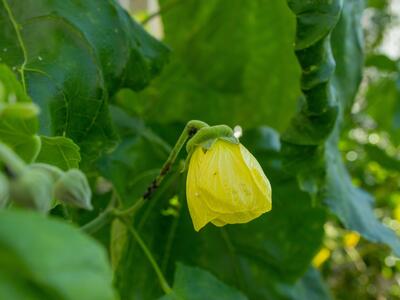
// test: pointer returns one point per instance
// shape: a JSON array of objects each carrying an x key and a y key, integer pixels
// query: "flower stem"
[
  {"x": 163, "y": 282},
  {"x": 104, "y": 218},
  {"x": 189, "y": 131}
]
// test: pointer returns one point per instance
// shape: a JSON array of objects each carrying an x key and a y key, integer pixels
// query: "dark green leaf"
[
  {"x": 72, "y": 55},
  {"x": 232, "y": 64},
  {"x": 191, "y": 283},
  {"x": 59, "y": 151}
]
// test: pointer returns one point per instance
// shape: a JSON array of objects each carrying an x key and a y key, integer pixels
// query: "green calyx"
[{"x": 206, "y": 136}]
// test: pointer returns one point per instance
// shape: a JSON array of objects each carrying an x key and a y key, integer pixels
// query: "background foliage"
[{"x": 83, "y": 85}]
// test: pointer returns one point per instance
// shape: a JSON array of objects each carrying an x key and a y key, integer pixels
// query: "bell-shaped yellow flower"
[{"x": 226, "y": 185}]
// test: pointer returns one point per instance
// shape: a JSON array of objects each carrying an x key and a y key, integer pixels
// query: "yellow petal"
[
  {"x": 321, "y": 257},
  {"x": 226, "y": 185},
  {"x": 351, "y": 239}
]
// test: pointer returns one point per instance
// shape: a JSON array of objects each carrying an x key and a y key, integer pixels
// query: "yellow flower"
[
  {"x": 351, "y": 239},
  {"x": 321, "y": 257},
  {"x": 226, "y": 185}
]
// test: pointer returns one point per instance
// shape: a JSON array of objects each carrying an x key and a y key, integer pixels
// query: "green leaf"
[
  {"x": 316, "y": 118},
  {"x": 232, "y": 64},
  {"x": 50, "y": 259},
  {"x": 59, "y": 151},
  {"x": 193, "y": 283},
  {"x": 91, "y": 49},
  {"x": 18, "y": 123}
]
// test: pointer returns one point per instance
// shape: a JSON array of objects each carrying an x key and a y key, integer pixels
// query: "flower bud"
[
  {"x": 33, "y": 189},
  {"x": 73, "y": 188},
  {"x": 4, "y": 190},
  {"x": 226, "y": 185}
]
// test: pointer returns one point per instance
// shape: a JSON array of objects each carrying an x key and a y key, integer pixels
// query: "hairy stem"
[
  {"x": 104, "y": 218},
  {"x": 189, "y": 131}
]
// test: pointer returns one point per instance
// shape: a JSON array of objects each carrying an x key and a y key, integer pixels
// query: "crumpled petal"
[{"x": 226, "y": 185}]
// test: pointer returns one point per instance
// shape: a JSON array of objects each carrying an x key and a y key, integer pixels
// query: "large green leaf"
[
  {"x": 43, "y": 258},
  {"x": 196, "y": 284},
  {"x": 59, "y": 151},
  {"x": 71, "y": 55},
  {"x": 232, "y": 63}
]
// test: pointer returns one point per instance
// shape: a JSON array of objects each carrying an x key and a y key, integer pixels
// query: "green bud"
[
  {"x": 33, "y": 189},
  {"x": 73, "y": 188},
  {"x": 4, "y": 190}
]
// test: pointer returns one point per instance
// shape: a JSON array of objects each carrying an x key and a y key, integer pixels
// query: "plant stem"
[
  {"x": 189, "y": 131},
  {"x": 163, "y": 282},
  {"x": 102, "y": 219},
  {"x": 20, "y": 41}
]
